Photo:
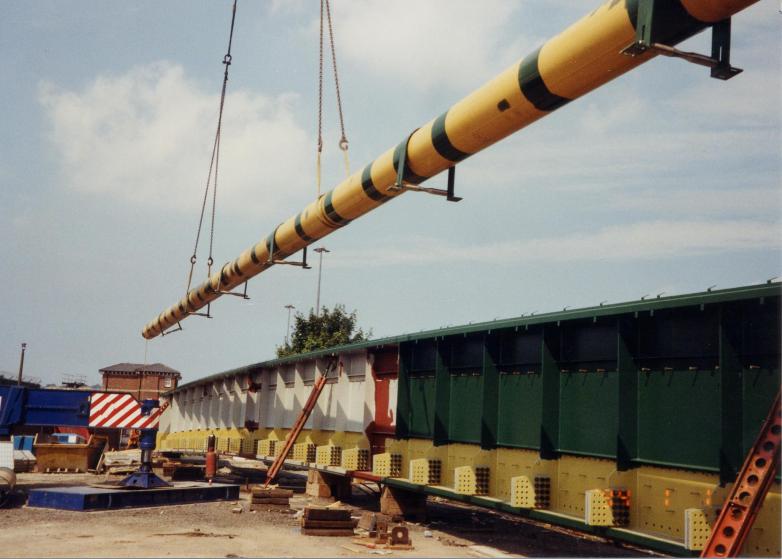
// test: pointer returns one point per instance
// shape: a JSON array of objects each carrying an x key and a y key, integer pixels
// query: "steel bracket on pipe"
[
  {"x": 402, "y": 184},
  {"x": 243, "y": 295},
  {"x": 173, "y": 330},
  {"x": 645, "y": 40},
  {"x": 303, "y": 264}
]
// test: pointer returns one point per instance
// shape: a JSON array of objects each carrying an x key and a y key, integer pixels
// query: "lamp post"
[
  {"x": 21, "y": 365},
  {"x": 288, "y": 329},
  {"x": 320, "y": 251}
]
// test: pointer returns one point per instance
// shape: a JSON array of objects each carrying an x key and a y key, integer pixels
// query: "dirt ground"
[{"x": 213, "y": 530}]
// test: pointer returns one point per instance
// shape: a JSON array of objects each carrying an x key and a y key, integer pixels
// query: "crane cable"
[
  {"x": 214, "y": 165},
  {"x": 343, "y": 141}
]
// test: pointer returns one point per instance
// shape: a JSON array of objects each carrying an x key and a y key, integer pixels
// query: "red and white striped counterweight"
[{"x": 111, "y": 410}]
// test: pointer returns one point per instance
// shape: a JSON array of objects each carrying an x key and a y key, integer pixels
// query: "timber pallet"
[{"x": 327, "y": 522}]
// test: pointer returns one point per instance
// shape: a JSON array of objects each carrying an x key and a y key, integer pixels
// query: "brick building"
[{"x": 143, "y": 381}]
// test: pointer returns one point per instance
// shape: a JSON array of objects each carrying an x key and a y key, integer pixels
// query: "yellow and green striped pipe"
[{"x": 583, "y": 57}]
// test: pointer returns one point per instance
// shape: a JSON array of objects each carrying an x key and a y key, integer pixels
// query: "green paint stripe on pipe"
[
  {"x": 408, "y": 175},
  {"x": 672, "y": 22},
  {"x": 272, "y": 240},
  {"x": 369, "y": 186},
  {"x": 442, "y": 143},
  {"x": 299, "y": 229},
  {"x": 534, "y": 88},
  {"x": 331, "y": 212}
]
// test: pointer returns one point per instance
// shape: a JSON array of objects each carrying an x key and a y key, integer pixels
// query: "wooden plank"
[
  {"x": 269, "y": 501},
  {"x": 345, "y": 524},
  {"x": 327, "y": 532},
  {"x": 272, "y": 493},
  {"x": 326, "y": 514}
]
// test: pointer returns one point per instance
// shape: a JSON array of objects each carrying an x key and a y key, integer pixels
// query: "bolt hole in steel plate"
[
  {"x": 760, "y": 463},
  {"x": 775, "y": 429},
  {"x": 768, "y": 446},
  {"x": 736, "y": 513},
  {"x": 720, "y": 549},
  {"x": 752, "y": 480},
  {"x": 728, "y": 531},
  {"x": 744, "y": 496}
]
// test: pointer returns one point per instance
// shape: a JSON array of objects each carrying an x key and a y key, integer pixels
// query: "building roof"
[
  {"x": 143, "y": 368},
  {"x": 710, "y": 296}
]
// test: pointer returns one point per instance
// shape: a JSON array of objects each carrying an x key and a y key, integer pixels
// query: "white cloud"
[
  {"x": 146, "y": 136},
  {"x": 741, "y": 201},
  {"x": 430, "y": 44},
  {"x": 638, "y": 241}
]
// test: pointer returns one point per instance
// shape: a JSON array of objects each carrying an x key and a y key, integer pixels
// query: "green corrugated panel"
[
  {"x": 679, "y": 418},
  {"x": 759, "y": 388},
  {"x": 521, "y": 409},
  {"x": 421, "y": 422},
  {"x": 691, "y": 299},
  {"x": 588, "y": 413},
  {"x": 466, "y": 400}
]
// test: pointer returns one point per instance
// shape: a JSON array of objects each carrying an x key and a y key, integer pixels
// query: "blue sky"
[{"x": 662, "y": 181}]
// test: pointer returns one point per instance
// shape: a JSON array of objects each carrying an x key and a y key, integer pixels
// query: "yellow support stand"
[
  {"x": 387, "y": 464},
  {"x": 266, "y": 447},
  {"x": 328, "y": 455},
  {"x": 425, "y": 472},
  {"x": 522, "y": 492},
  {"x": 356, "y": 459},
  {"x": 304, "y": 452},
  {"x": 464, "y": 480},
  {"x": 697, "y": 529},
  {"x": 597, "y": 508}
]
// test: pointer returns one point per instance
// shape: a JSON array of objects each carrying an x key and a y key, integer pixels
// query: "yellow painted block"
[
  {"x": 266, "y": 447},
  {"x": 355, "y": 459},
  {"x": 419, "y": 471},
  {"x": 387, "y": 464},
  {"x": 696, "y": 529},
  {"x": 328, "y": 455},
  {"x": 522, "y": 492},
  {"x": 597, "y": 508},
  {"x": 464, "y": 480},
  {"x": 304, "y": 452},
  {"x": 247, "y": 445}
]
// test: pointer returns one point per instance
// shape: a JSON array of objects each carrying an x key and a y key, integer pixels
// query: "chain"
[
  {"x": 214, "y": 165},
  {"x": 343, "y": 141}
]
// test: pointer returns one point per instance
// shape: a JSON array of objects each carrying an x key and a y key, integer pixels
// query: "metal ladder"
[
  {"x": 296, "y": 430},
  {"x": 745, "y": 499}
]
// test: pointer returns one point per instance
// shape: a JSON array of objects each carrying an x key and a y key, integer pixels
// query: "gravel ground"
[{"x": 213, "y": 530}]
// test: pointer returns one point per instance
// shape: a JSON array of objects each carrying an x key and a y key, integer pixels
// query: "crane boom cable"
[{"x": 214, "y": 165}]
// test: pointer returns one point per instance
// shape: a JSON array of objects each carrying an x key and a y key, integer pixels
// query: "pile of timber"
[
  {"x": 119, "y": 461},
  {"x": 273, "y": 497},
  {"x": 318, "y": 521}
]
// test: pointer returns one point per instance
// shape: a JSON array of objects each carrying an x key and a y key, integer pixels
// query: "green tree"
[{"x": 330, "y": 328}]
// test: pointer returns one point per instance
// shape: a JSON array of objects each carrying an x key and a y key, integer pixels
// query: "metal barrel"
[{"x": 580, "y": 59}]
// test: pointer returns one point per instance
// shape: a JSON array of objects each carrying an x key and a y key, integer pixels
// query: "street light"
[
  {"x": 21, "y": 365},
  {"x": 320, "y": 251},
  {"x": 288, "y": 329}
]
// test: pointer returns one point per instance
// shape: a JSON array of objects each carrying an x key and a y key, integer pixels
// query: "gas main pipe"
[{"x": 583, "y": 57}]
